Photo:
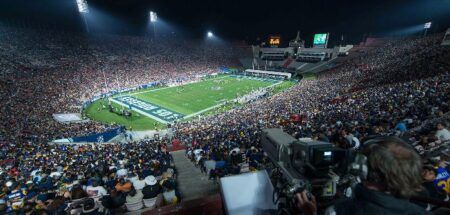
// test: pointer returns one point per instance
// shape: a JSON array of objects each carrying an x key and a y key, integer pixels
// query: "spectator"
[
  {"x": 95, "y": 189},
  {"x": 78, "y": 193},
  {"x": 431, "y": 190},
  {"x": 442, "y": 133},
  {"x": 152, "y": 188},
  {"x": 134, "y": 196},
  {"x": 123, "y": 185},
  {"x": 169, "y": 194},
  {"x": 140, "y": 183},
  {"x": 114, "y": 200}
]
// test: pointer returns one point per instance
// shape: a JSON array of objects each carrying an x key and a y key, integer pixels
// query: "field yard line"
[
  {"x": 301, "y": 66},
  {"x": 139, "y": 111},
  {"x": 204, "y": 110},
  {"x": 163, "y": 88},
  {"x": 221, "y": 104}
]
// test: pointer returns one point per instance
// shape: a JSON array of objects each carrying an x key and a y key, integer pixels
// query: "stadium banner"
[
  {"x": 226, "y": 70},
  {"x": 99, "y": 137},
  {"x": 153, "y": 111},
  {"x": 67, "y": 117}
]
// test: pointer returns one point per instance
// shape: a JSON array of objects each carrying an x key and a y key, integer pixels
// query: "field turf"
[
  {"x": 195, "y": 97},
  {"x": 189, "y": 99}
]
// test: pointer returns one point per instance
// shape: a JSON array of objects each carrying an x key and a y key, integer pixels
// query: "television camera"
[{"x": 315, "y": 166}]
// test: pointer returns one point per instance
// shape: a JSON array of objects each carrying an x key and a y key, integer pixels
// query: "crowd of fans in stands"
[
  {"x": 45, "y": 72},
  {"x": 44, "y": 178},
  {"x": 401, "y": 88},
  {"x": 398, "y": 89}
]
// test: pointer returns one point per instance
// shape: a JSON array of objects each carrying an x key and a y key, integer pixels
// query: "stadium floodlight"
[
  {"x": 153, "y": 16},
  {"x": 153, "y": 19},
  {"x": 427, "y": 25},
  {"x": 82, "y": 6},
  {"x": 210, "y": 34}
]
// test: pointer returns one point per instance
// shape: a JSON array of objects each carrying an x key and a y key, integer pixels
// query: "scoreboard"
[
  {"x": 274, "y": 41},
  {"x": 320, "y": 40}
]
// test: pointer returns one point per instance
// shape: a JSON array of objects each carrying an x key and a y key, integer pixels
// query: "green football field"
[
  {"x": 151, "y": 107},
  {"x": 192, "y": 98}
]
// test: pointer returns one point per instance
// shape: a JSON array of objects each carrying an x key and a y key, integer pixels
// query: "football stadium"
[{"x": 224, "y": 108}]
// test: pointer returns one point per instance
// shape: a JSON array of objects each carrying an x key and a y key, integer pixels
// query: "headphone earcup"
[{"x": 359, "y": 166}]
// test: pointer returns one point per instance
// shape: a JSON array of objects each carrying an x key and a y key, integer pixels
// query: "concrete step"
[{"x": 192, "y": 184}]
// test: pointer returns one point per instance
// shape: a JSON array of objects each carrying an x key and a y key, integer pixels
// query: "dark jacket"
[
  {"x": 151, "y": 191},
  {"x": 368, "y": 202},
  {"x": 113, "y": 202}
]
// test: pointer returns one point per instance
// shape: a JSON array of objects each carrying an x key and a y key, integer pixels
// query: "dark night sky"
[{"x": 233, "y": 19}]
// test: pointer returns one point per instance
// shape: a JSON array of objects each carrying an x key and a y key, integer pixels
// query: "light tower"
[
  {"x": 426, "y": 26},
  {"x": 83, "y": 9},
  {"x": 153, "y": 19}
]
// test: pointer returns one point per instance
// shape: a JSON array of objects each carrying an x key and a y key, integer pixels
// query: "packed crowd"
[
  {"x": 45, "y": 178},
  {"x": 46, "y": 72},
  {"x": 400, "y": 88}
]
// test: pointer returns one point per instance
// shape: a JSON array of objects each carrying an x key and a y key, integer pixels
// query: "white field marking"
[
  {"x": 139, "y": 111},
  {"x": 163, "y": 88},
  {"x": 301, "y": 66},
  {"x": 221, "y": 104}
]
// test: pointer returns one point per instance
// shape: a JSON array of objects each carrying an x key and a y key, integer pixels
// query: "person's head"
[
  {"x": 393, "y": 166},
  {"x": 169, "y": 185},
  {"x": 132, "y": 191},
  {"x": 78, "y": 192},
  {"x": 150, "y": 180},
  {"x": 440, "y": 126},
  {"x": 113, "y": 193},
  {"x": 428, "y": 173}
]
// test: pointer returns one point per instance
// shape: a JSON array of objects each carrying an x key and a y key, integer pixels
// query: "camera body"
[{"x": 305, "y": 164}]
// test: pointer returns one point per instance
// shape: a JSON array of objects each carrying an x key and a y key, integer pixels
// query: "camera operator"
[{"x": 392, "y": 175}]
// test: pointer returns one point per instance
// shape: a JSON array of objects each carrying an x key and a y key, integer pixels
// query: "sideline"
[
  {"x": 163, "y": 88},
  {"x": 221, "y": 104}
]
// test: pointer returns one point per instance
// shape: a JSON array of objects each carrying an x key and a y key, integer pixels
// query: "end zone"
[{"x": 153, "y": 111}]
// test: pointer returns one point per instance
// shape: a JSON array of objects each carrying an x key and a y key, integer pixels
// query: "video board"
[{"x": 320, "y": 40}]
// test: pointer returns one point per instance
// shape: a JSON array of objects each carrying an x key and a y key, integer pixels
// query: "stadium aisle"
[{"x": 192, "y": 183}]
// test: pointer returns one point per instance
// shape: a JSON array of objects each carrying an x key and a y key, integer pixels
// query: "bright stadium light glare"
[
  {"x": 210, "y": 34},
  {"x": 427, "y": 25},
  {"x": 153, "y": 16},
  {"x": 82, "y": 6}
]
